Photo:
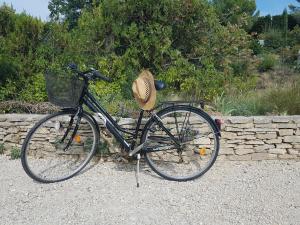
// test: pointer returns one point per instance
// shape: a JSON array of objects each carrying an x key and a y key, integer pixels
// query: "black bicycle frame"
[{"x": 89, "y": 100}]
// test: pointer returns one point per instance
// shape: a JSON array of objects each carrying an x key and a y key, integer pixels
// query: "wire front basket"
[{"x": 63, "y": 89}]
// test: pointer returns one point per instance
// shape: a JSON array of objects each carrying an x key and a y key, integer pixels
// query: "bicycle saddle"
[{"x": 159, "y": 85}]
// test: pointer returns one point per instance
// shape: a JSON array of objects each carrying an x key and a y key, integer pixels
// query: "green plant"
[
  {"x": 1, "y": 148},
  {"x": 243, "y": 104},
  {"x": 223, "y": 104},
  {"x": 103, "y": 148},
  {"x": 285, "y": 99},
  {"x": 268, "y": 62},
  {"x": 15, "y": 153},
  {"x": 273, "y": 39}
]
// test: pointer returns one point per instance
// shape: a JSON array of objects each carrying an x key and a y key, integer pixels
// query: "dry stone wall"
[{"x": 243, "y": 138}]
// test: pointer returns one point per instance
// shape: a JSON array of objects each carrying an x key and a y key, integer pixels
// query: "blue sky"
[
  {"x": 273, "y": 7},
  {"x": 39, "y": 8}
]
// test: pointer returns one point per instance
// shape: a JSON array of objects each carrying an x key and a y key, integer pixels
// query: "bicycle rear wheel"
[
  {"x": 54, "y": 150},
  {"x": 199, "y": 143}
]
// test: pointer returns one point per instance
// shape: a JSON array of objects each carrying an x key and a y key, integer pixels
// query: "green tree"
[
  {"x": 69, "y": 10},
  {"x": 294, "y": 8},
  {"x": 295, "y": 11},
  {"x": 181, "y": 42},
  {"x": 285, "y": 25},
  {"x": 235, "y": 11}
]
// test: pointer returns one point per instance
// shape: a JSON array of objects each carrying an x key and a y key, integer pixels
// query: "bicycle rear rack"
[{"x": 199, "y": 103}]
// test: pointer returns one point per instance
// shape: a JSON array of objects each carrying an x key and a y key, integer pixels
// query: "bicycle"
[{"x": 179, "y": 142}]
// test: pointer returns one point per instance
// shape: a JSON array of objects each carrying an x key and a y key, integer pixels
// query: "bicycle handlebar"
[
  {"x": 89, "y": 74},
  {"x": 97, "y": 74}
]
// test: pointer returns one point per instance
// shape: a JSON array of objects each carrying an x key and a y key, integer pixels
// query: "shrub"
[
  {"x": 285, "y": 100},
  {"x": 273, "y": 39},
  {"x": 268, "y": 62},
  {"x": 15, "y": 153},
  {"x": 242, "y": 105},
  {"x": 34, "y": 89},
  {"x": 256, "y": 47}
]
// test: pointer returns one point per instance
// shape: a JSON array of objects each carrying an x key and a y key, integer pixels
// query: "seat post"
[{"x": 137, "y": 128}]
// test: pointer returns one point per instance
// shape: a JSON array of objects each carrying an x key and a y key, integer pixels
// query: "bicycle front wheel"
[
  {"x": 197, "y": 135},
  {"x": 56, "y": 149}
]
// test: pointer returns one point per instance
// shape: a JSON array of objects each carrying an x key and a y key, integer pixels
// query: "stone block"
[
  {"x": 254, "y": 142},
  {"x": 272, "y": 135},
  {"x": 296, "y": 146},
  {"x": 292, "y": 139},
  {"x": 260, "y": 130},
  {"x": 233, "y": 129},
  {"x": 281, "y": 119},
  {"x": 293, "y": 152},
  {"x": 240, "y": 119},
  {"x": 286, "y": 132},
  {"x": 235, "y": 141},
  {"x": 287, "y": 156},
  {"x": 243, "y": 147},
  {"x": 284, "y": 145},
  {"x": 249, "y": 137},
  {"x": 262, "y": 120},
  {"x": 202, "y": 141},
  {"x": 297, "y": 132},
  {"x": 263, "y": 156},
  {"x": 229, "y": 135},
  {"x": 16, "y": 117},
  {"x": 13, "y": 130},
  {"x": 274, "y": 141},
  {"x": 296, "y": 119},
  {"x": 2, "y": 119},
  {"x": 270, "y": 125},
  {"x": 277, "y": 151},
  {"x": 242, "y": 125},
  {"x": 245, "y": 133},
  {"x": 239, "y": 157},
  {"x": 244, "y": 151},
  {"x": 229, "y": 145},
  {"x": 6, "y": 124},
  {"x": 226, "y": 151},
  {"x": 13, "y": 138},
  {"x": 287, "y": 126},
  {"x": 263, "y": 148}
]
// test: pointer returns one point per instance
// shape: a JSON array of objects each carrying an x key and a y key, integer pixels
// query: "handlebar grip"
[{"x": 102, "y": 77}]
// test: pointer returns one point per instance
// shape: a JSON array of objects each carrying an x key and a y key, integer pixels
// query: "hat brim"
[{"x": 152, "y": 98}]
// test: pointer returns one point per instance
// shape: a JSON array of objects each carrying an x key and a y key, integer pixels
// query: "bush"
[
  {"x": 273, "y": 39},
  {"x": 15, "y": 153},
  {"x": 34, "y": 89},
  {"x": 275, "y": 100},
  {"x": 268, "y": 62},
  {"x": 285, "y": 100},
  {"x": 242, "y": 105}
]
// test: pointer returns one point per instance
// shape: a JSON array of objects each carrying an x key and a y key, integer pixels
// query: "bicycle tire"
[
  {"x": 157, "y": 164},
  {"x": 30, "y": 166}
]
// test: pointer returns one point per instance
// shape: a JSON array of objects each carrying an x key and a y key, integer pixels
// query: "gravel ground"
[{"x": 265, "y": 192}]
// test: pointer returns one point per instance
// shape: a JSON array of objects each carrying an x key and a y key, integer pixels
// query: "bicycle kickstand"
[{"x": 138, "y": 169}]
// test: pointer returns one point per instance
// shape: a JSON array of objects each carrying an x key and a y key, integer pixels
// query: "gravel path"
[{"x": 230, "y": 193}]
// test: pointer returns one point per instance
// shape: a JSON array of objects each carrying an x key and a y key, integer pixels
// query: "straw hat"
[{"x": 144, "y": 90}]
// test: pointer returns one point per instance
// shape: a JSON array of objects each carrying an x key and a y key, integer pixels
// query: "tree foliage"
[
  {"x": 186, "y": 43},
  {"x": 239, "y": 12},
  {"x": 69, "y": 10},
  {"x": 295, "y": 8}
]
